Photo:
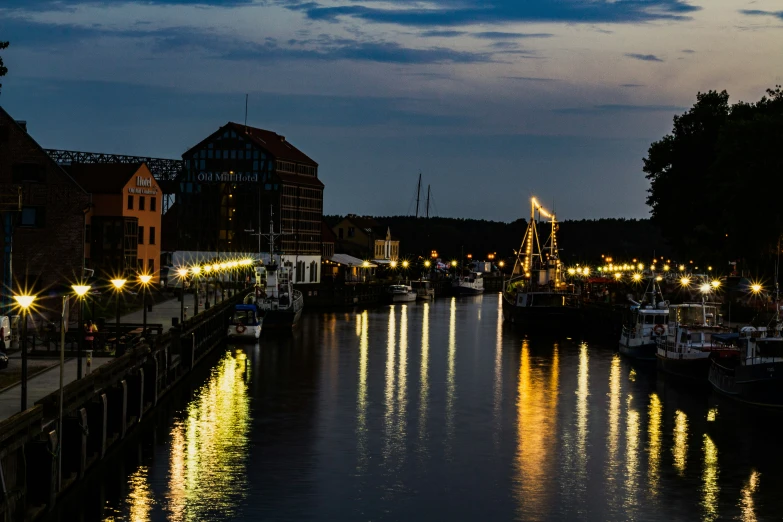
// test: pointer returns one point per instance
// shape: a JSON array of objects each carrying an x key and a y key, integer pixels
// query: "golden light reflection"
[
  {"x": 402, "y": 374},
  {"x": 632, "y": 375},
  {"x": 614, "y": 425},
  {"x": 746, "y": 500},
  {"x": 361, "y": 396},
  {"x": 655, "y": 420},
  {"x": 209, "y": 447},
  {"x": 536, "y": 432},
  {"x": 631, "y": 456},
  {"x": 358, "y": 325},
  {"x": 710, "y": 489},
  {"x": 391, "y": 348},
  {"x": 140, "y": 495},
  {"x": 712, "y": 414},
  {"x": 451, "y": 386},
  {"x": 582, "y": 394},
  {"x": 680, "y": 449},
  {"x": 424, "y": 379},
  {"x": 498, "y": 385}
]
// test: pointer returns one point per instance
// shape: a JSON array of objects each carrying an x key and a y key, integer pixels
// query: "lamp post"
[
  {"x": 81, "y": 291},
  {"x": 196, "y": 269},
  {"x": 24, "y": 302},
  {"x": 207, "y": 271},
  {"x": 182, "y": 273},
  {"x": 144, "y": 279},
  {"x": 118, "y": 284}
]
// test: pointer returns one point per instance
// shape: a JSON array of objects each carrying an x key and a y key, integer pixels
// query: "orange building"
[{"x": 122, "y": 234}]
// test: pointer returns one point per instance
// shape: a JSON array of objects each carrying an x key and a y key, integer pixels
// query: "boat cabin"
[
  {"x": 245, "y": 314},
  {"x": 691, "y": 327}
]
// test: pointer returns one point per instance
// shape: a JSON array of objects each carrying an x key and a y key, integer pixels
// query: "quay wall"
[{"x": 98, "y": 413}]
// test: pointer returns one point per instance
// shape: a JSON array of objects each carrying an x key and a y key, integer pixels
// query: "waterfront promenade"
[{"x": 46, "y": 371}]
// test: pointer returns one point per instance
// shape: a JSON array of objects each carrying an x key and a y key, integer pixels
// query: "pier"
[{"x": 98, "y": 411}]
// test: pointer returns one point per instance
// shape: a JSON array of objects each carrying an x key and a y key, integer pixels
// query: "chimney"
[{"x": 23, "y": 124}]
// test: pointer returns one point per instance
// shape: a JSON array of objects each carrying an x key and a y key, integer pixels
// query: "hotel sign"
[
  {"x": 226, "y": 177},
  {"x": 143, "y": 186}
]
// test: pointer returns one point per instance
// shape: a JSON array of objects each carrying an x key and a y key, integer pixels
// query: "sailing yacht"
[{"x": 536, "y": 294}]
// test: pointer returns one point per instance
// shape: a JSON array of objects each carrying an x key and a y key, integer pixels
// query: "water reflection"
[
  {"x": 614, "y": 427},
  {"x": 140, "y": 495},
  {"x": 402, "y": 398},
  {"x": 361, "y": 395},
  {"x": 654, "y": 422},
  {"x": 746, "y": 500},
  {"x": 710, "y": 489},
  {"x": 582, "y": 394},
  {"x": 680, "y": 449},
  {"x": 498, "y": 382},
  {"x": 391, "y": 349},
  {"x": 451, "y": 385},
  {"x": 424, "y": 372},
  {"x": 536, "y": 434},
  {"x": 631, "y": 456},
  {"x": 209, "y": 446}
]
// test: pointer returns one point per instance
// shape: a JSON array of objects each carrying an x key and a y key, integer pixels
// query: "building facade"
[
  {"x": 364, "y": 237},
  {"x": 123, "y": 225},
  {"x": 43, "y": 212},
  {"x": 239, "y": 180}
]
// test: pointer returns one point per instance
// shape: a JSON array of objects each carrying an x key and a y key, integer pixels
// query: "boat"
[
  {"x": 757, "y": 375},
  {"x": 401, "y": 294},
  {"x": 536, "y": 294},
  {"x": 689, "y": 344},
  {"x": 468, "y": 282},
  {"x": 279, "y": 303},
  {"x": 424, "y": 290},
  {"x": 648, "y": 321},
  {"x": 245, "y": 323}
]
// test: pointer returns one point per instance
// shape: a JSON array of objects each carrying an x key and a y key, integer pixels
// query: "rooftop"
[{"x": 102, "y": 178}]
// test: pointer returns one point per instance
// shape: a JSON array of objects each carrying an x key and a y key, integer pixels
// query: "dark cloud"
[
  {"x": 618, "y": 108},
  {"x": 504, "y": 45},
  {"x": 688, "y": 51},
  {"x": 446, "y": 34},
  {"x": 497, "y": 35},
  {"x": 758, "y": 12},
  {"x": 530, "y": 79},
  {"x": 56, "y": 5},
  {"x": 631, "y": 85},
  {"x": 644, "y": 57},
  {"x": 461, "y": 12}
]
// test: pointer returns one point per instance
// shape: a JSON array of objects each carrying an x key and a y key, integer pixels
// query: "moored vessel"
[
  {"x": 401, "y": 294},
  {"x": 648, "y": 322},
  {"x": 468, "y": 282},
  {"x": 424, "y": 290},
  {"x": 245, "y": 323}
]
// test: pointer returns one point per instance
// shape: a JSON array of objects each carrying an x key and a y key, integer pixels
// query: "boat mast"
[
  {"x": 428, "y": 200},
  {"x": 418, "y": 195}
]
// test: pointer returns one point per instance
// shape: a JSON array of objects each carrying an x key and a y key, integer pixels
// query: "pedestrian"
[{"x": 89, "y": 334}]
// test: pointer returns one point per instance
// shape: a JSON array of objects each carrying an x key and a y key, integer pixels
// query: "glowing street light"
[
  {"x": 405, "y": 264},
  {"x": 756, "y": 288},
  {"x": 80, "y": 291},
  {"x": 144, "y": 279},
  {"x": 502, "y": 264},
  {"x": 427, "y": 263},
  {"x": 393, "y": 264},
  {"x": 685, "y": 281},
  {"x": 24, "y": 302},
  {"x": 715, "y": 283},
  {"x": 118, "y": 284},
  {"x": 637, "y": 277},
  {"x": 705, "y": 288},
  {"x": 571, "y": 271},
  {"x": 454, "y": 263}
]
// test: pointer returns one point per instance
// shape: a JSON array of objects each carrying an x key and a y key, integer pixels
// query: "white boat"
[
  {"x": 245, "y": 323},
  {"x": 649, "y": 322},
  {"x": 689, "y": 345},
  {"x": 401, "y": 294},
  {"x": 424, "y": 290},
  {"x": 469, "y": 283}
]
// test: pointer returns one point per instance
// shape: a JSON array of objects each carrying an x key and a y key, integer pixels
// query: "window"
[
  {"x": 154, "y": 204},
  {"x": 152, "y": 235},
  {"x": 150, "y": 266},
  {"x": 141, "y": 235},
  {"x": 141, "y": 203},
  {"x": 27, "y": 173},
  {"x": 351, "y": 232},
  {"x": 130, "y": 202},
  {"x": 32, "y": 217}
]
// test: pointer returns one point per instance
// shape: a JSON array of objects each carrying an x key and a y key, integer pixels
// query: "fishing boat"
[
  {"x": 757, "y": 375},
  {"x": 689, "y": 343},
  {"x": 245, "y": 323},
  {"x": 536, "y": 294},
  {"x": 424, "y": 290},
  {"x": 468, "y": 282},
  {"x": 401, "y": 294},
  {"x": 279, "y": 303},
  {"x": 648, "y": 322}
]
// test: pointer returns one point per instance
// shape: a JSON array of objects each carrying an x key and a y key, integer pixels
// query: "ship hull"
[
  {"x": 759, "y": 384},
  {"x": 640, "y": 352},
  {"x": 541, "y": 317},
  {"x": 693, "y": 369},
  {"x": 281, "y": 319},
  {"x": 466, "y": 290}
]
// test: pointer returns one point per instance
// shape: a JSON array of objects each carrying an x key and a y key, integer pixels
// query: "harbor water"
[{"x": 438, "y": 411}]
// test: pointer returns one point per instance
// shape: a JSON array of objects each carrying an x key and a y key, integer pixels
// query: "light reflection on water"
[{"x": 541, "y": 429}]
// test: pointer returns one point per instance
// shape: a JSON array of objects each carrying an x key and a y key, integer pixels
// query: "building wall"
[
  {"x": 143, "y": 186},
  {"x": 48, "y": 240},
  {"x": 348, "y": 234},
  {"x": 387, "y": 249}
]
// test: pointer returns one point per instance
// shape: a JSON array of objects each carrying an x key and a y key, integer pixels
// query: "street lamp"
[
  {"x": 24, "y": 302},
  {"x": 182, "y": 272},
  {"x": 118, "y": 284},
  {"x": 144, "y": 279},
  {"x": 196, "y": 271},
  {"x": 80, "y": 291}
]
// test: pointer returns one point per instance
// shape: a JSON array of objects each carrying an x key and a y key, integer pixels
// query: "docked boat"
[
  {"x": 689, "y": 344},
  {"x": 468, "y": 283},
  {"x": 424, "y": 290},
  {"x": 536, "y": 294},
  {"x": 648, "y": 322},
  {"x": 245, "y": 323},
  {"x": 401, "y": 294},
  {"x": 757, "y": 375}
]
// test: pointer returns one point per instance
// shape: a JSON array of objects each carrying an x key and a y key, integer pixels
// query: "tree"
[
  {"x": 3, "y": 69},
  {"x": 715, "y": 181}
]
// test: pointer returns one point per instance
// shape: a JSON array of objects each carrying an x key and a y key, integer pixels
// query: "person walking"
[{"x": 90, "y": 330}]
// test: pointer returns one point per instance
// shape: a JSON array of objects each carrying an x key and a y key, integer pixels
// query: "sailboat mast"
[
  {"x": 428, "y": 201},
  {"x": 418, "y": 195}
]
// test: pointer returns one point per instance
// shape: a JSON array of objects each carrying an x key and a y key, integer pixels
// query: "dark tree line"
[
  {"x": 3, "y": 68},
  {"x": 716, "y": 181}
]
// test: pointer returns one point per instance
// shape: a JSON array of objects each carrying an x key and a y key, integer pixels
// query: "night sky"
[{"x": 491, "y": 100}]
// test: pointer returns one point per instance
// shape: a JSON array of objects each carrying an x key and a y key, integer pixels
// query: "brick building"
[
  {"x": 123, "y": 225},
  {"x": 232, "y": 179},
  {"x": 364, "y": 237},
  {"x": 47, "y": 241}
]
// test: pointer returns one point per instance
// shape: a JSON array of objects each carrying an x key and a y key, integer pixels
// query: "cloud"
[
  {"x": 631, "y": 85},
  {"x": 504, "y": 45},
  {"x": 530, "y": 79},
  {"x": 688, "y": 51},
  {"x": 618, "y": 108},
  {"x": 497, "y": 35},
  {"x": 758, "y": 12},
  {"x": 467, "y": 12},
  {"x": 444, "y": 34},
  {"x": 644, "y": 57}
]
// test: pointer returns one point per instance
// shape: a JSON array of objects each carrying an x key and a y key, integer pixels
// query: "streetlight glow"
[
  {"x": 427, "y": 263},
  {"x": 195, "y": 269},
  {"x": 81, "y": 290},
  {"x": 715, "y": 283},
  {"x": 182, "y": 272},
  {"x": 705, "y": 288},
  {"x": 119, "y": 283},
  {"x": 145, "y": 279},
  {"x": 405, "y": 264},
  {"x": 393, "y": 264},
  {"x": 756, "y": 288},
  {"x": 685, "y": 281},
  {"x": 24, "y": 301}
]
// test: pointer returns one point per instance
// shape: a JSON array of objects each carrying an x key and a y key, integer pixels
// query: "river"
[{"x": 438, "y": 411}]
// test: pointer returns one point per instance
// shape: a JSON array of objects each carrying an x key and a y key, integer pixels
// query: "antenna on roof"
[{"x": 246, "y": 113}]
